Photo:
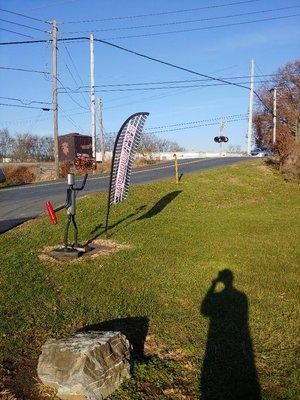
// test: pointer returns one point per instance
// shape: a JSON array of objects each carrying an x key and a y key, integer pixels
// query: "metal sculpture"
[{"x": 69, "y": 249}]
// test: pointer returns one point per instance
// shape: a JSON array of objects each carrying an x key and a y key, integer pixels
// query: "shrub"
[
  {"x": 64, "y": 169},
  {"x": 291, "y": 165},
  {"x": 19, "y": 175}
]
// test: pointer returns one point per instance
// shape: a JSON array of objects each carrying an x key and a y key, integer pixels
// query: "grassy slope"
[{"x": 243, "y": 217}]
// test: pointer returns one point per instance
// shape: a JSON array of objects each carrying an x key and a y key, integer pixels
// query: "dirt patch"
[
  {"x": 100, "y": 248},
  {"x": 20, "y": 381},
  {"x": 152, "y": 348}
]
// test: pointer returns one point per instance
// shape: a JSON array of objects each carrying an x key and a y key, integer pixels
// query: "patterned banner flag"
[{"x": 126, "y": 144}]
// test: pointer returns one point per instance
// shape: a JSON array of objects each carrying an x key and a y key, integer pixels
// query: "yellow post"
[{"x": 176, "y": 168}]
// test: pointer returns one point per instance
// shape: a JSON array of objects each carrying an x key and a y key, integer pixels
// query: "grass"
[{"x": 244, "y": 218}]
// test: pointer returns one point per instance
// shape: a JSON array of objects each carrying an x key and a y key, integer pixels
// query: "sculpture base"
[{"x": 70, "y": 252}]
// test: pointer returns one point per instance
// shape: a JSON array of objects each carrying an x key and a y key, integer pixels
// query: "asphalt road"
[{"x": 21, "y": 203}]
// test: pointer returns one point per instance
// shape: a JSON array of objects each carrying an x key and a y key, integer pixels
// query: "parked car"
[{"x": 261, "y": 152}]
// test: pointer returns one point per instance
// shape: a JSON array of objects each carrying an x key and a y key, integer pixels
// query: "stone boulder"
[{"x": 85, "y": 366}]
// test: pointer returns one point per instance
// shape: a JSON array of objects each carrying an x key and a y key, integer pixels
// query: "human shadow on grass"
[
  {"x": 228, "y": 370},
  {"x": 134, "y": 328},
  {"x": 160, "y": 205}
]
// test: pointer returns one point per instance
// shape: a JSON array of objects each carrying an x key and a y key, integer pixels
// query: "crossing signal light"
[{"x": 219, "y": 139}]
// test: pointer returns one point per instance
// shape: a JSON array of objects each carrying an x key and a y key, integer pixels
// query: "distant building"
[{"x": 74, "y": 145}]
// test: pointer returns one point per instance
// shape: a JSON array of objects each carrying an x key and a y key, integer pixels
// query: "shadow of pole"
[{"x": 228, "y": 371}]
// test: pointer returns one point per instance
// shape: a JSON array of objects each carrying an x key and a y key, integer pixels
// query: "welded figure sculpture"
[{"x": 70, "y": 205}]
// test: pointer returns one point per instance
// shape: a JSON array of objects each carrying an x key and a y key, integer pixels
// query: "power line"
[
  {"x": 71, "y": 120},
  {"x": 25, "y": 70},
  {"x": 77, "y": 73},
  {"x": 226, "y": 117},
  {"x": 213, "y": 119},
  {"x": 184, "y": 22},
  {"x": 72, "y": 39},
  {"x": 68, "y": 93},
  {"x": 192, "y": 127},
  {"x": 16, "y": 33},
  {"x": 161, "y": 13},
  {"x": 203, "y": 27},
  {"x": 171, "y": 82},
  {"x": 25, "y": 26},
  {"x": 17, "y": 105},
  {"x": 24, "y": 16},
  {"x": 169, "y": 64},
  {"x": 151, "y": 59},
  {"x": 28, "y": 102},
  {"x": 155, "y": 60},
  {"x": 197, "y": 126},
  {"x": 155, "y": 88}
]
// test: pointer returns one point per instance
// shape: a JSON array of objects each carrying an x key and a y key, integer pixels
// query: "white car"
[{"x": 261, "y": 152}]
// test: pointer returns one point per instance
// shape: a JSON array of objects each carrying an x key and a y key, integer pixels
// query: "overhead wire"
[
  {"x": 16, "y": 33},
  {"x": 24, "y": 26},
  {"x": 226, "y": 117},
  {"x": 212, "y": 6},
  {"x": 18, "y": 105},
  {"x": 203, "y": 27},
  {"x": 24, "y": 101},
  {"x": 71, "y": 120},
  {"x": 68, "y": 93},
  {"x": 201, "y": 124},
  {"x": 25, "y": 70},
  {"x": 76, "y": 70},
  {"x": 170, "y": 82},
  {"x": 153, "y": 88},
  {"x": 197, "y": 126},
  {"x": 184, "y": 22},
  {"x": 25, "y": 16}
]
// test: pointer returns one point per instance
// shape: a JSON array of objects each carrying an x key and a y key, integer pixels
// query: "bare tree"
[
  {"x": 5, "y": 144},
  {"x": 287, "y": 82}
]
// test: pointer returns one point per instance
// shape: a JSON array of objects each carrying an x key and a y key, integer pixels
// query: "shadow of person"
[
  {"x": 160, "y": 205},
  {"x": 228, "y": 370}
]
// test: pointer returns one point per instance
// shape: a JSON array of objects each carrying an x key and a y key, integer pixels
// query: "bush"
[
  {"x": 19, "y": 175},
  {"x": 64, "y": 169},
  {"x": 291, "y": 165}
]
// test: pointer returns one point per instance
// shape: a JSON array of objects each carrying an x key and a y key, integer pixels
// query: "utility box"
[{"x": 73, "y": 146}]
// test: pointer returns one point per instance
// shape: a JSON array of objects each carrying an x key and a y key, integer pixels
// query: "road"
[{"x": 21, "y": 203}]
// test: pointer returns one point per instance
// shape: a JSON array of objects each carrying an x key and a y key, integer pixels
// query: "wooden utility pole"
[
  {"x": 249, "y": 135},
  {"x": 176, "y": 168},
  {"x": 54, "y": 96},
  {"x": 93, "y": 105}
]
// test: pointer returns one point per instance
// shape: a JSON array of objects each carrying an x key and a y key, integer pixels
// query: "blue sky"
[{"x": 221, "y": 52}]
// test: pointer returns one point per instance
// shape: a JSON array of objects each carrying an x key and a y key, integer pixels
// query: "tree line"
[
  {"x": 25, "y": 147},
  {"x": 287, "y": 84}
]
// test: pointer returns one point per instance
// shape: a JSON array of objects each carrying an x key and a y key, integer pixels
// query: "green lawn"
[{"x": 244, "y": 218}]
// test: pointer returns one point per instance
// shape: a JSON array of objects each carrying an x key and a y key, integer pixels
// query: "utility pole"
[
  {"x": 274, "y": 114},
  {"x": 249, "y": 136},
  {"x": 223, "y": 126},
  {"x": 93, "y": 105},
  {"x": 54, "y": 96},
  {"x": 101, "y": 130}
]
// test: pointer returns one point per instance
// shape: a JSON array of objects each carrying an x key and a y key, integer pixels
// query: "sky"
[{"x": 201, "y": 45}]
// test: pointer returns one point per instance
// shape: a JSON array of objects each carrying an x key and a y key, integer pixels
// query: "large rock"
[{"x": 85, "y": 366}]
